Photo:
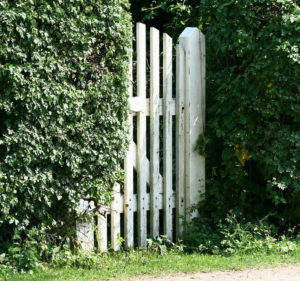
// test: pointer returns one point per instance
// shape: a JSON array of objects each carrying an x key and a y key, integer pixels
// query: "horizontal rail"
[
  {"x": 138, "y": 104},
  {"x": 108, "y": 209}
]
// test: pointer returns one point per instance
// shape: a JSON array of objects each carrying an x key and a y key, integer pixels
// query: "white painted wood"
[
  {"x": 167, "y": 135},
  {"x": 180, "y": 196},
  {"x": 128, "y": 181},
  {"x": 134, "y": 204},
  {"x": 147, "y": 169},
  {"x": 189, "y": 109},
  {"x": 137, "y": 104},
  {"x": 141, "y": 135},
  {"x": 160, "y": 202},
  {"x": 154, "y": 131},
  {"x": 189, "y": 40},
  {"x": 102, "y": 231},
  {"x": 144, "y": 105},
  {"x": 115, "y": 218},
  {"x": 84, "y": 228}
]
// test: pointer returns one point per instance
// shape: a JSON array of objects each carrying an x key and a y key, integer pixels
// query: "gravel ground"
[{"x": 288, "y": 273}]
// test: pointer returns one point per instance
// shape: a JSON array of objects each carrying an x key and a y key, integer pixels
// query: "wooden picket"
[
  {"x": 141, "y": 135},
  {"x": 167, "y": 135},
  {"x": 188, "y": 108},
  {"x": 180, "y": 149},
  {"x": 128, "y": 181},
  {"x": 154, "y": 131},
  {"x": 115, "y": 218},
  {"x": 102, "y": 231}
]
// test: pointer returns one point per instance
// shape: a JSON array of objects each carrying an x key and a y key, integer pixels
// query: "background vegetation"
[{"x": 63, "y": 108}]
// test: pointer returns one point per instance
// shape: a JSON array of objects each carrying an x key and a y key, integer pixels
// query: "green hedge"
[
  {"x": 253, "y": 106},
  {"x": 252, "y": 138},
  {"x": 63, "y": 107}
]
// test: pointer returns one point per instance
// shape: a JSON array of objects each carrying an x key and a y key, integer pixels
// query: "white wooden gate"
[{"x": 151, "y": 203}]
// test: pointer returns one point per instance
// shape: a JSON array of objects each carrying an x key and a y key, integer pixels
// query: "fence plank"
[
  {"x": 141, "y": 135},
  {"x": 167, "y": 175},
  {"x": 115, "y": 218},
  {"x": 128, "y": 181},
  {"x": 154, "y": 131},
  {"x": 179, "y": 141},
  {"x": 194, "y": 163},
  {"x": 102, "y": 232},
  {"x": 84, "y": 229}
]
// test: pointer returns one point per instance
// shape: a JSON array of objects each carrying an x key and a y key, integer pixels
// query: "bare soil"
[{"x": 287, "y": 273}]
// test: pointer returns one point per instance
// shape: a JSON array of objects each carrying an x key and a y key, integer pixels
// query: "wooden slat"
[
  {"x": 102, "y": 232},
  {"x": 179, "y": 141},
  {"x": 128, "y": 169},
  {"x": 84, "y": 229},
  {"x": 167, "y": 94},
  {"x": 115, "y": 218},
  {"x": 141, "y": 135},
  {"x": 154, "y": 131}
]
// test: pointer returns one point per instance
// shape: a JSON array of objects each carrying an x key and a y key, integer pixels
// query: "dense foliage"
[
  {"x": 63, "y": 109},
  {"x": 252, "y": 138}
]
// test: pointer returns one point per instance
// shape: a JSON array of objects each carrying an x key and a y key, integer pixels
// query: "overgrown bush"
[
  {"x": 252, "y": 138},
  {"x": 253, "y": 111},
  {"x": 63, "y": 109},
  {"x": 234, "y": 234}
]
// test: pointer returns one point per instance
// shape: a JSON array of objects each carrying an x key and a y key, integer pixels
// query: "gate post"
[{"x": 191, "y": 88}]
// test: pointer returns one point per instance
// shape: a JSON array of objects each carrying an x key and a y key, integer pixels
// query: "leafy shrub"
[
  {"x": 63, "y": 109},
  {"x": 252, "y": 133},
  {"x": 28, "y": 252},
  {"x": 163, "y": 245},
  {"x": 236, "y": 235},
  {"x": 253, "y": 110}
]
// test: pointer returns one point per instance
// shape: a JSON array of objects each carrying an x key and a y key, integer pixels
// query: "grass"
[{"x": 133, "y": 263}]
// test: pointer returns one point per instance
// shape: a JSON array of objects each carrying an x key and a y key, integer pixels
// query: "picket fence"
[{"x": 154, "y": 199}]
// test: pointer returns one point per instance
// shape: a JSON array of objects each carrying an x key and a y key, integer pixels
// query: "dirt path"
[{"x": 288, "y": 273}]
